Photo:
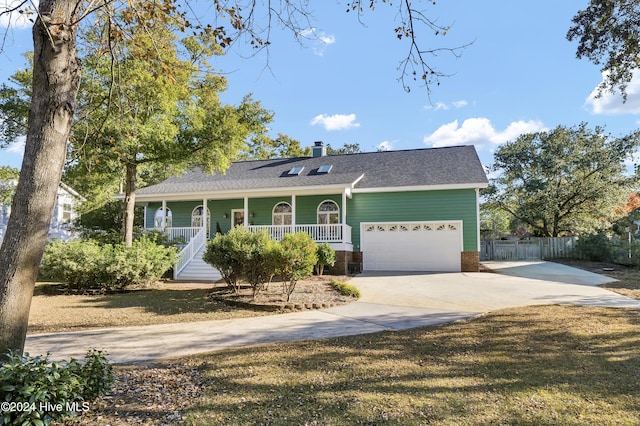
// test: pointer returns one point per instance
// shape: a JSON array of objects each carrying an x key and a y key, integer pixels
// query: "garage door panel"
[{"x": 424, "y": 246}]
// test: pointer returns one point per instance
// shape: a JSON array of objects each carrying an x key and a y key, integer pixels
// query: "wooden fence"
[{"x": 532, "y": 249}]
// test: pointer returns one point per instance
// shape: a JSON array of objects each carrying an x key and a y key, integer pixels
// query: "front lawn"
[
  {"x": 542, "y": 365},
  {"x": 52, "y": 312}
]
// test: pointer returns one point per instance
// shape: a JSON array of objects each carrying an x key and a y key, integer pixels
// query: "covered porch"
[{"x": 190, "y": 223}]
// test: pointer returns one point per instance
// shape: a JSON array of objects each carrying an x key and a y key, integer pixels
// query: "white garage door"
[{"x": 411, "y": 246}]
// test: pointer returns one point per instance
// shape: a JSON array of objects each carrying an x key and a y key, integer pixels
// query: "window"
[
  {"x": 158, "y": 218},
  {"x": 295, "y": 171},
  {"x": 196, "y": 216},
  {"x": 282, "y": 214},
  {"x": 328, "y": 213},
  {"x": 326, "y": 168},
  {"x": 67, "y": 213}
]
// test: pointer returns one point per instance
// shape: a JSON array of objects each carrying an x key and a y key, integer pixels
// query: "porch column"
[
  {"x": 144, "y": 217},
  {"x": 293, "y": 213},
  {"x": 344, "y": 215},
  {"x": 205, "y": 216},
  {"x": 246, "y": 212},
  {"x": 163, "y": 222}
]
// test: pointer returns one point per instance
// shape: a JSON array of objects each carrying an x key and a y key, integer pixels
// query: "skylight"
[
  {"x": 295, "y": 171},
  {"x": 326, "y": 168}
]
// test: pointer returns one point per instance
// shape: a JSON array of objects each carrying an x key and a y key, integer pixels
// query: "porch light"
[{"x": 226, "y": 215}]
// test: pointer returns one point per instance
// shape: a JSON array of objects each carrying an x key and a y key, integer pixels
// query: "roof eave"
[{"x": 471, "y": 185}]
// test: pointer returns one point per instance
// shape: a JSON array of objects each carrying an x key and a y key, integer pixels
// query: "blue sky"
[{"x": 520, "y": 75}]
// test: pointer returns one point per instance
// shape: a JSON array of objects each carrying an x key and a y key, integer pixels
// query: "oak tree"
[
  {"x": 608, "y": 34},
  {"x": 566, "y": 180}
]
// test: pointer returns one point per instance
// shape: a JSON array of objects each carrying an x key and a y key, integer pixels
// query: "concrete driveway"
[{"x": 390, "y": 301}]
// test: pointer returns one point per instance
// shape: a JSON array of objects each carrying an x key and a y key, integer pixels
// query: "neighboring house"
[
  {"x": 64, "y": 213},
  {"x": 413, "y": 210}
]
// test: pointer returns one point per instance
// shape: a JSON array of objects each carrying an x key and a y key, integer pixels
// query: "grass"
[
  {"x": 529, "y": 366},
  {"x": 345, "y": 288},
  {"x": 542, "y": 365},
  {"x": 52, "y": 312}
]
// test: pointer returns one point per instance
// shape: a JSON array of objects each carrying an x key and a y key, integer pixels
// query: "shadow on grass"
[
  {"x": 161, "y": 302},
  {"x": 537, "y": 365}
]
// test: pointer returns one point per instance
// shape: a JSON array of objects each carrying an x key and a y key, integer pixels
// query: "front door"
[{"x": 237, "y": 218}]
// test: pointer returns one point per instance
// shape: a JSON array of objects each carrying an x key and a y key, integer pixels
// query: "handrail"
[{"x": 189, "y": 251}]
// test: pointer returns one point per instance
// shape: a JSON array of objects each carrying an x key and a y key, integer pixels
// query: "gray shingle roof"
[{"x": 457, "y": 165}]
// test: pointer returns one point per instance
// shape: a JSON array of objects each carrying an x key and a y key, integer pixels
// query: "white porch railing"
[
  {"x": 181, "y": 235},
  {"x": 332, "y": 233},
  {"x": 190, "y": 250}
]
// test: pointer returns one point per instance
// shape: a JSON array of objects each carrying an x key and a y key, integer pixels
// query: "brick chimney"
[{"x": 318, "y": 149}]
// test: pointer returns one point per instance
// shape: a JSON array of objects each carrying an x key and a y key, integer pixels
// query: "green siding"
[
  {"x": 220, "y": 208},
  {"x": 307, "y": 207},
  {"x": 262, "y": 209},
  {"x": 363, "y": 207},
  {"x": 415, "y": 206},
  {"x": 180, "y": 212}
]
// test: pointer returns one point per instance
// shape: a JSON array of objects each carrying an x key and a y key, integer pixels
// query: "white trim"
[
  {"x": 203, "y": 222},
  {"x": 344, "y": 207},
  {"x": 163, "y": 220},
  {"x": 273, "y": 212},
  {"x": 246, "y": 211},
  {"x": 328, "y": 200},
  {"x": 229, "y": 194},
  {"x": 420, "y": 188},
  {"x": 233, "y": 211},
  {"x": 477, "y": 219},
  {"x": 417, "y": 222},
  {"x": 293, "y": 211},
  {"x": 166, "y": 213}
]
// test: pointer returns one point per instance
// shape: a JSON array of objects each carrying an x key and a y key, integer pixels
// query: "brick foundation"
[
  {"x": 470, "y": 261},
  {"x": 341, "y": 267}
]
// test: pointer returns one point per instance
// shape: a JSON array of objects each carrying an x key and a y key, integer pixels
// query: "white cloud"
[
  {"x": 319, "y": 40},
  {"x": 447, "y": 106},
  {"x": 480, "y": 132},
  {"x": 336, "y": 121},
  {"x": 16, "y": 147},
  {"x": 610, "y": 103},
  {"x": 385, "y": 146},
  {"x": 16, "y": 19}
]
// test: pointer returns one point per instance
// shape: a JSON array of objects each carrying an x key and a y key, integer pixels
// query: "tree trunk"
[
  {"x": 129, "y": 203},
  {"x": 56, "y": 77}
]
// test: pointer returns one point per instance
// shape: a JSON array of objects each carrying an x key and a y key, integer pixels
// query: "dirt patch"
[{"x": 312, "y": 293}]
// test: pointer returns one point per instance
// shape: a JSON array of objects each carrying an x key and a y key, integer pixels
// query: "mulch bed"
[{"x": 312, "y": 293}]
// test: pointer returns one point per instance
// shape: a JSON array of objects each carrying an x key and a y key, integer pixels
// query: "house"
[
  {"x": 412, "y": 210},
  {"x": 64, "y": 213}
]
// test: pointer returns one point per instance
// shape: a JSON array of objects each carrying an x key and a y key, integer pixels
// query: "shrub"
[
  {"x": 79, "y": 263},
  {"x": 141, "y": 264},
  {"x": 345, "y": 288},
  {"x": 221, "y": 253},
  {"x": 326, "y": 256},
  {"x": 39, "y": 391},
  {"x": 256, "y": 253},
  {"x": 85, "y": 264},
  {"x": 296, "y": 258},
  {"x": 594, "y": 247}
]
